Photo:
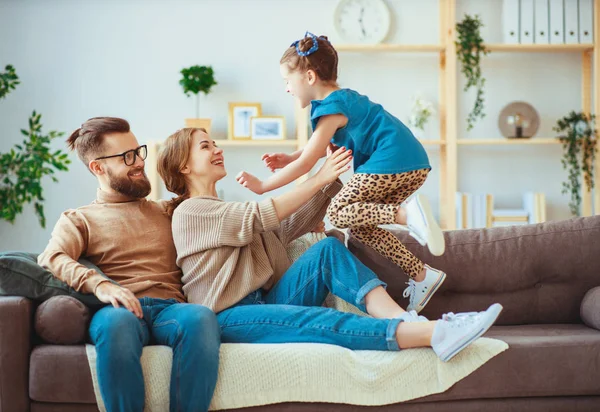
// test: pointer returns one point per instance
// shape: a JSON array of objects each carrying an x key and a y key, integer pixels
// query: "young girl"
[{"x": 389, "y": 163}]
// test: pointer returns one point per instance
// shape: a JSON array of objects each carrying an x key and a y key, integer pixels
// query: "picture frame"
[
  {"x": 240, "y": 114},
  {"x": 267, "y": 128}
]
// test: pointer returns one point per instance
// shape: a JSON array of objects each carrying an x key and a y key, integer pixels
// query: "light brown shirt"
[
  {"x": 129, "y": 239},
  {"x": 229, "y": 249}
]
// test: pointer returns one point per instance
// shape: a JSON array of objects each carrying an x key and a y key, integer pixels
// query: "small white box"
[
  {"x": 510, "y": 21},
  {"x": 526, "y": 21},
  {"x": 586, "y": 21},
  {"x": 541, "y": 22},
  {"x": 557, "y": 22},
  {"x": 571, "y": 22}
]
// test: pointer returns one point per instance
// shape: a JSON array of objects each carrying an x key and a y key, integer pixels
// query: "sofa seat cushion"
[
  {"x": 60, "y": 374},
  {"x": 542, "y": 360}
]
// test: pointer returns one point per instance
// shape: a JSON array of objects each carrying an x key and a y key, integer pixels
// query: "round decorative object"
[
  {"x": 362, "y": 21},
  {"x": 518, "y": 120}
]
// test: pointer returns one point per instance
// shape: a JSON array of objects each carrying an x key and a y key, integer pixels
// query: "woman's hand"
[
  {"x": 276, "y": 161},
  {"x": 250, "y": 182},
  {"x": 320, "y": 228},
  {"x": 336, "y": 164}
]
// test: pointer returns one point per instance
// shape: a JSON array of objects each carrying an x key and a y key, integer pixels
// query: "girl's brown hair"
[
  {"x": 324, "y": 61},
  {"x": 173, "y": 157}
]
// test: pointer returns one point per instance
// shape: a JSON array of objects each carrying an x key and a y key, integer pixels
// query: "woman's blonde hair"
[{"x": 173, "y": 157}]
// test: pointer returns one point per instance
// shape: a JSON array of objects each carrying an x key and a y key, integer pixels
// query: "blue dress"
[{"x": 381, "y": 143}]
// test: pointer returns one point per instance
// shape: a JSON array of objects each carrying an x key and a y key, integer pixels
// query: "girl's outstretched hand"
[
  {"x": 334, "y": 166},
  {"x": 276, "y": 161},
  {"x": 250, "y": 182}
]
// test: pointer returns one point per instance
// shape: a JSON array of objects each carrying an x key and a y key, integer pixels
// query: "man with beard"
[{"x": 129, "y": 239}]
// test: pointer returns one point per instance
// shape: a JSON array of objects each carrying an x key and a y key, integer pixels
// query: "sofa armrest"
[
  {"x": 16, "y": 315},
  {"x": 590, "y": 308}
]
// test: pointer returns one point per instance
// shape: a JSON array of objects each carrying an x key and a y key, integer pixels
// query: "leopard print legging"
[{"x": 369, "y": 200}]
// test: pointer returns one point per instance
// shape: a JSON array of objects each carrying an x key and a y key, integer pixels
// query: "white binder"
[
  {"x": 526, "y": 21},
  {"x": 586, "y": 21},
  {"x": 541, "y": 22},
  {"x": 571, "y": 22},
  {"x": 557, "y": 23},
  {"x": 510, "y": 21}
]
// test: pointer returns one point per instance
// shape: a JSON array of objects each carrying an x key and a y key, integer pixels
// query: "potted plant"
[
  {"x": 469, "y": 49},
  {"x": 196, "y": 80},
  {"x": 579, "y": 137},
  {"x": 421, "y": 111},
  {"x": 25, "y": 165}
]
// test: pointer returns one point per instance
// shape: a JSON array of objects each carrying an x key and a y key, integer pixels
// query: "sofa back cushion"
[
  {"x": 20, "y": 275},
  {"x": 539, "y": 273}
]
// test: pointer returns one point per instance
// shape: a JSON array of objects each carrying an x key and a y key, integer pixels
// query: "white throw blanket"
[{"x": 261, "y": 374}]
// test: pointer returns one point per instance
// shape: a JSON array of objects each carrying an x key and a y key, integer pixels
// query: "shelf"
[
  {"x": 531, "y": 141},
  {"x": 406, "y": 48},
  {"x": 494, "y": 47},
  {"x": 256, "y": 143},
  {"x": 540, "y": 48},
  {"x": 432, "y": 142}
]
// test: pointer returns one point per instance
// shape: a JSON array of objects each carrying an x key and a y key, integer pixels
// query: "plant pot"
[{"x": 199, "y": 124}]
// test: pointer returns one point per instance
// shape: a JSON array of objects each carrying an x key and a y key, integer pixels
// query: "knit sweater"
[
  {"x": 129, "y": 239},
  {"x": 229, "y": 249}
]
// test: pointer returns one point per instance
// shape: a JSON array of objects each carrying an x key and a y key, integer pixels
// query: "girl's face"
[
  {"x": 298, "y": 84},
  {"x": 206, "y": 159}
]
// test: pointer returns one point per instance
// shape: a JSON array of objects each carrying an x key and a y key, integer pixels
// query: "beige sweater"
[
  {"x": 130, "y": 240},
  {"x": 229, "y": 249}
]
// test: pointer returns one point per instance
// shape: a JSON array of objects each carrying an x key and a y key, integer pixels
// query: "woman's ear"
[{"x": 185, "y": 170}]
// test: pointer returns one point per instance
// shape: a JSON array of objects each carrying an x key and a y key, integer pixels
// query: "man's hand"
[
  {"x": 114, "y": 294},
  {"x": 250, "y": 182}
]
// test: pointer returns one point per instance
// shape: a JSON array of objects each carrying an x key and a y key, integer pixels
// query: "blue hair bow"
[{"x": 310, "y": 51}]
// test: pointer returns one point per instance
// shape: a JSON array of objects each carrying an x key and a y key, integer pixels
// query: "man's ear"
[
  {"x": 311, "y": 77},
  {"x": 96, "y": 167}
]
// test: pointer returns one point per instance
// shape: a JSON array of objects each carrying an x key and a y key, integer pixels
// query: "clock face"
[{"x": 362, "y": 21}]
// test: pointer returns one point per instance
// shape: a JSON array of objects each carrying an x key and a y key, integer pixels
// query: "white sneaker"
[
  {"x": 454, "y": 332},
  {"x": 412, "y": 316},
  {"x": 422, "y": 226},
  {"x": 421, "y": 292}
]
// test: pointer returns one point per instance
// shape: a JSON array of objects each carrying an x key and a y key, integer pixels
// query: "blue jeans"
[
  {"x": 191, "y": 330},
  {"x": 291, "y": 311}
]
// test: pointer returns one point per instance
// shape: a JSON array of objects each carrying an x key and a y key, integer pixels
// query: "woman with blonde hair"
[{"x": 234, "y": 261}]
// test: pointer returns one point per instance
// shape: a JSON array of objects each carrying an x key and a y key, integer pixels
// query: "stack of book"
[{"x": 476, "y": 210}]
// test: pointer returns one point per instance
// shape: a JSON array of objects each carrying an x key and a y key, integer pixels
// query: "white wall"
[{"x": 79, "y": 59}]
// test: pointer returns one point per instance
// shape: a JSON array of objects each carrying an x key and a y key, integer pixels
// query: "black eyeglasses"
[{"x": 130, "y": 156}]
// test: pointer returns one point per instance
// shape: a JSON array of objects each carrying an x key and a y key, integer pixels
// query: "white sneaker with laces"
[
  {"x": 454, "y": 332},
  {"x": 421, "y": 292},
  {"x": 422, "y": 226}
]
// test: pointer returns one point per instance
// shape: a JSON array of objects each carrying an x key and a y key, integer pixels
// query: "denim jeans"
[
  {"x": 291, "y": 311},
  {"x": 191, "y": 330}
]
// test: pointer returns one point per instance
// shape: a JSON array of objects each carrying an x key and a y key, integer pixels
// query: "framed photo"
[
  {"x": 267, "y": 128},
  {"x": 239, "y": 119}
]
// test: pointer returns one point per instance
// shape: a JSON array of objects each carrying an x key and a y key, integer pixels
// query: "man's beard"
[{"x": 137, "y": 188}]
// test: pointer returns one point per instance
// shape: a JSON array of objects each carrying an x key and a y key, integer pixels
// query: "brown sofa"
[{"x": 546, "y": 276}]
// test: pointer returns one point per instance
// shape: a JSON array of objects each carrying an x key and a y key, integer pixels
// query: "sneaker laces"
[
  {"x": 410, "y": 290},
  {"x": 460, "y": 319}
]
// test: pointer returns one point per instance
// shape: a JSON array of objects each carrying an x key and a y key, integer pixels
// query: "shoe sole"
[
  {"x": 435, "y": 238},
  {"x": 494, "y": 311},
  {"x": 421, "y": 305}
]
